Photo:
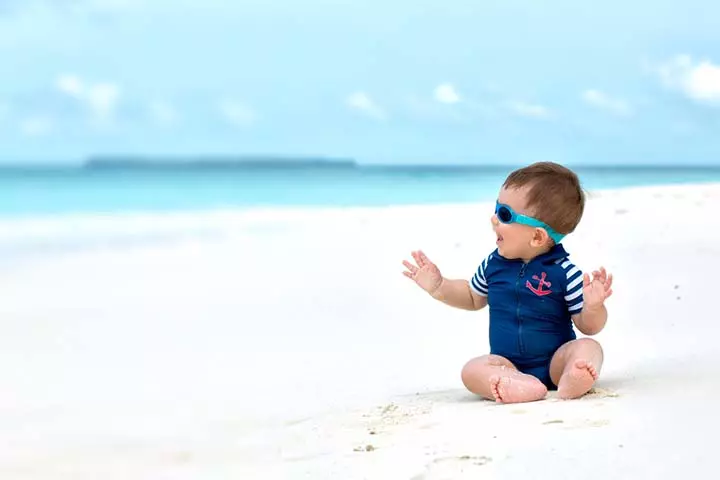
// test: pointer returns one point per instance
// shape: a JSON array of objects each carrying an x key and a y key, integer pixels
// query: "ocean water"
[{"x": 48, "y": 191}]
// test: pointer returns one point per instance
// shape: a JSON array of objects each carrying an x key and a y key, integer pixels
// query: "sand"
[{"x": 287, "y": 344}]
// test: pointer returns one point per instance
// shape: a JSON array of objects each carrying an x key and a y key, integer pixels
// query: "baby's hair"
[{"x": 554, "y": 194}]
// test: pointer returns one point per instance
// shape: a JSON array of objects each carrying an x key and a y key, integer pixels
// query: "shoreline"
[
  {"x": 23, "y": 235},
  {"x": 281, "y": 211}
]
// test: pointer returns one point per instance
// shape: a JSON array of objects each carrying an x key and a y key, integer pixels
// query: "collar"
[{"x": 556, "y": 253}]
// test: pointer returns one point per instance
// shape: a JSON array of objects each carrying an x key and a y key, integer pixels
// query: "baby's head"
[{"x": 545, "y": 203}]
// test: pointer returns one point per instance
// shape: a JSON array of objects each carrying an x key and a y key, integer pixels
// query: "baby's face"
[{"x": 514, "y": 240}]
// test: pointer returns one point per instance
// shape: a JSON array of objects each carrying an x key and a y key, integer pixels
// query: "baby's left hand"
[{"x": 595, "y": 292}]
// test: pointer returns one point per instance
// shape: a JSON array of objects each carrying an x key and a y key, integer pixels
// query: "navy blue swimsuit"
[{"x": 531, "y": 305}]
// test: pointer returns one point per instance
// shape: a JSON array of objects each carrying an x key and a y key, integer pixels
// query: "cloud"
[
  {"x": 100, "y": 98},
  {"x": 530, "y": 110},
  {"x": 429, "y": 109},
  {"x": 103, "y": 99},
  {"x": 36, "y": 126},
  {"x": 163, "y": 114},
  {"x": 237, "y": 113},
  {"x": 362, "y": 102},
  {"x": 446, "y": 93},
  {"x": 112, "y": 5},
  {"x": 70, "y": 85},
  {"x": 12, "y": 6},
  {"x": 697, "y": 80},
  {"x": 603, "y": 101}
]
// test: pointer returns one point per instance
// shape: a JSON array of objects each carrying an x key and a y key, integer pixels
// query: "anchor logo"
[{"x": 540, "y": 290}]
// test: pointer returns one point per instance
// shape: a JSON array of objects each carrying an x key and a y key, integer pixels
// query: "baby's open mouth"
[{"x": 499, "y": 239}]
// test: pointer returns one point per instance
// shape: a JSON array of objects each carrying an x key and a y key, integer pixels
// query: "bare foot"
[
  {"x": 577, "y": 380},
  {"x": 517, "y": 389}
]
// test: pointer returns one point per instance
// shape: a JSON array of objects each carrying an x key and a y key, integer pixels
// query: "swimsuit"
[{"x": 531, "y": 305}]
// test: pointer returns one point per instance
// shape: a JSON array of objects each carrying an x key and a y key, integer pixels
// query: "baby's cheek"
[{"x": 512, "y": 233}]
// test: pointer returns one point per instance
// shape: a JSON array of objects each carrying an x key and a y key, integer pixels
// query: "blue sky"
[{"x": 407, "y": 81}]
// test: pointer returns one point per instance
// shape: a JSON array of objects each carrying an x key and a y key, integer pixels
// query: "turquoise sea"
[{"x": 59, "y": 190}]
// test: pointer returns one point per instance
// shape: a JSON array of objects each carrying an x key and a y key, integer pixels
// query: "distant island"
[
  {"x": 244, "y": 162},
  {"x": 216, "y": 162}
]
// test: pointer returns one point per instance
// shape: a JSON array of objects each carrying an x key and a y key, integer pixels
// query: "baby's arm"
[
  {"x": 468, "y": 295},
  {"x": 457, "y": 293},
  {"x": 585, "y": 298},
  {"x": 591, "y": 321}
]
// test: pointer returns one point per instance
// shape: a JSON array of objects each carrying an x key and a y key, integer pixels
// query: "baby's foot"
[
  {"x": 577, "y": 380},
  {"x": 518, "y": 389}
]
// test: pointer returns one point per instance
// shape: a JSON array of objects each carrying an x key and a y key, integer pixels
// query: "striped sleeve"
[
  {"x": 478, "y": 282},
  {"x": 574, "y": 287}
]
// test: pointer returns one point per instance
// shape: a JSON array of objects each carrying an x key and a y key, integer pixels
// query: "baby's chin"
[
  {"x": 508, "y": 253},
  {"x": 502, "y": 250}
]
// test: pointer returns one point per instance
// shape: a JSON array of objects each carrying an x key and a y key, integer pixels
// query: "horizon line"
[{"x": 211, "y": 161}]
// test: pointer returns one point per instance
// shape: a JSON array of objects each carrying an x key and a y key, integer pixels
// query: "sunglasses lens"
[{"x": 504, "y": 214}]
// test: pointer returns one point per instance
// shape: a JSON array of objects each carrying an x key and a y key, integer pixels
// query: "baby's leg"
[
  {"x": 496, "y": 378},
  {"x": 576, "y": 366}
]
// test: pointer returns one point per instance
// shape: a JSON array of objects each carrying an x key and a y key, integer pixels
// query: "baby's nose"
[{"x": 494, "y": 220}]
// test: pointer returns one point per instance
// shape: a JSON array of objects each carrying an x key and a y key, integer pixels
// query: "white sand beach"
[{"x": 286, "y": 344}]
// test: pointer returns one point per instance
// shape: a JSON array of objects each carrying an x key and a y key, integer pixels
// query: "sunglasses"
[{"x": 505, "y": 214}]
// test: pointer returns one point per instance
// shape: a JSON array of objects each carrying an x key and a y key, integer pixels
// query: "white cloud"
[
  {"x": 530, "y": 110},
  {"x": 103, "y": 99},
  {"x": 698, "y": 80},
  {"x": 114, "y": 5},
  {"x": 36, "y": 126},
  {"x": 429, "y": 109},
  {"x": 100, "y": 98},
  {"x": 70, "y": 85},
  {"x": 78, "y": 6},
  {"x": 237, "y": 113},
  {"x": 603, "y": 101},
  {"x": 163, "y": 114},
  {"x": 446, "y": 93},
  {"x": 362, "y": 102}
]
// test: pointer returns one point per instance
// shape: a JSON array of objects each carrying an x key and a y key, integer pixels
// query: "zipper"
[{"x": 521, "y": 346}]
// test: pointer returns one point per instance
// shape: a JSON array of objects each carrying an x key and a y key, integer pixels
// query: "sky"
[{"x": 452, "y": 81}]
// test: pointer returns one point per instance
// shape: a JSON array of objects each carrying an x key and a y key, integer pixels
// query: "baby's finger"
[
  {"x": 410, "y": 266},
  {"x": 417, "y": 257},
  {"x": 425, "y": 260},
  {"x": 608, "y": 293},
  {"x": 608, "y": 284},
  {"x": 586, "y": 280}
]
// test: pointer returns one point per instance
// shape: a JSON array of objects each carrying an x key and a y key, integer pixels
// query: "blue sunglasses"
[{"x": 507, "y": 215}]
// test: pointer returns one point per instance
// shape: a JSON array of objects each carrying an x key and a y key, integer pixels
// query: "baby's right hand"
[{"x": 426, "y": 274}]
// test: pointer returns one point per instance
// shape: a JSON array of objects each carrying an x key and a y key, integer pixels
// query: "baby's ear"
[{"x": 540, "y": 237}]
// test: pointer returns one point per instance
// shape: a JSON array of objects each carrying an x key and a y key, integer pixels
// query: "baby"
[{"x": 534, "y": 292}]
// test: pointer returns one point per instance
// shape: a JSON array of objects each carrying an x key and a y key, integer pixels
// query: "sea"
[{"x": 43, "y": 191}]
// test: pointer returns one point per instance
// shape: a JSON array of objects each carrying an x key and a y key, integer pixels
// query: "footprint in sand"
[
  {"x": 394, "y": 414},
  {"x": 583, "y": 423},
  {"x": 463, "y": 467},
  {"x": 596, "y": 392}
]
